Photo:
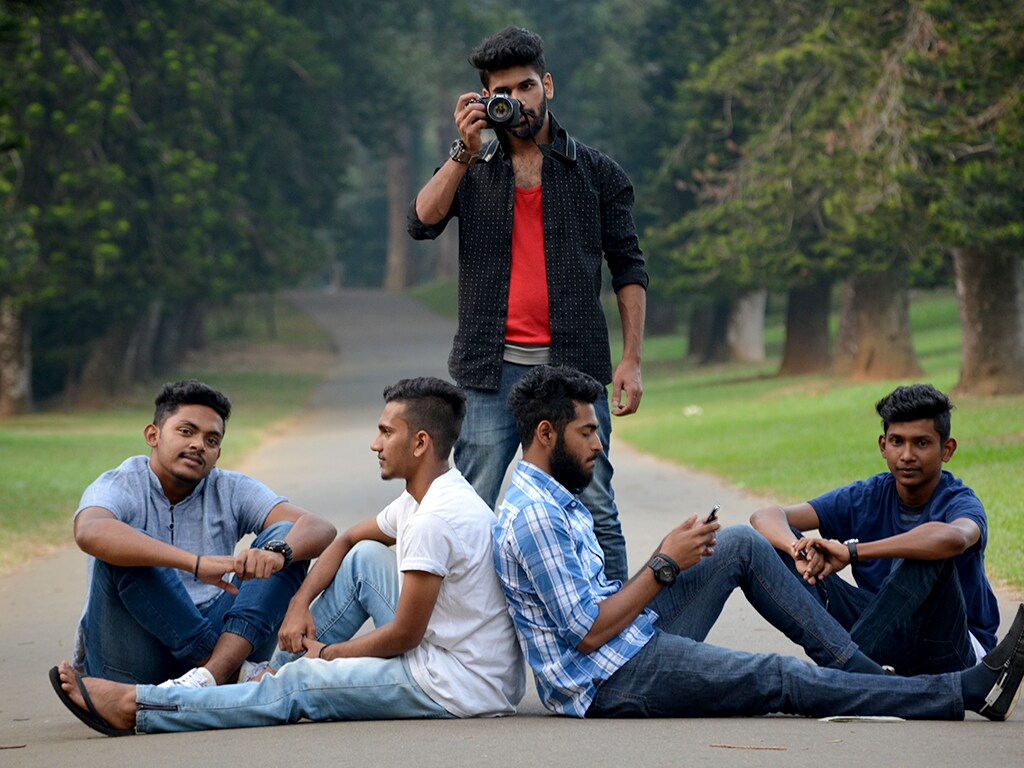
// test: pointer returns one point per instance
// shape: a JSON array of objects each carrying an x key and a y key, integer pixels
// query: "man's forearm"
[
  {"x": 771, "y": 522},
  {"x": 632, "y": 302},
  {"x": 435, "y": 199},
  {"x": 309, "y": 537}
]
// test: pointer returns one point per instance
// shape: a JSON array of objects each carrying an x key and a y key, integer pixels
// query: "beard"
[
  {"x": 533, "y": 124},
  {"x": 568, "y": 470}
]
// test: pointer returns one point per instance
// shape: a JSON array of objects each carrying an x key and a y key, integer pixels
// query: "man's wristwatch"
[
  {"x": 460, "y": 154},
  {"x": 851, "y": 544},
  {"x": 282, "y": 548},
  {"x": 666, "y": 570}
]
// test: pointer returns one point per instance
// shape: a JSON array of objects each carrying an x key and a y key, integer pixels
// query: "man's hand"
[
  {"x": 821, "y": 557},
  {"x": 297, "y": 628},
  {"x": 257, "y": 563},
  {"x": 627, "y": 388},
  {"x": 470, "y": 120},
  {"x": 313, "y": 648},
  {"x": 689, "y": 542},
  {"x": 212, "y": 569}
]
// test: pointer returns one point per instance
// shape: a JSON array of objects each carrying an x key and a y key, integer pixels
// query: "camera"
[{"x": 502, "y": 111}]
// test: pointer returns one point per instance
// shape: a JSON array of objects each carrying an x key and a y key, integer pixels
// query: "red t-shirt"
[{"x": 527, "y": 321}]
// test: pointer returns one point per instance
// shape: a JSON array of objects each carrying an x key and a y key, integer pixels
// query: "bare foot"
[{"x": 115, "y": 702}]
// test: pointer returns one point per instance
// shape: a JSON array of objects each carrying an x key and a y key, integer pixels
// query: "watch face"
[{"x": 666, "y": 574}]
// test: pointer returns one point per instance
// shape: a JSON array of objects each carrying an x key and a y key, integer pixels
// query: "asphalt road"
[{"x": 321, "y": 460}]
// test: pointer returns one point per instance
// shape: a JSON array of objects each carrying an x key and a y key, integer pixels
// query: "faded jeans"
[
  {"x": 366, "y": 688},
  {"x": 142, "y": 626}
]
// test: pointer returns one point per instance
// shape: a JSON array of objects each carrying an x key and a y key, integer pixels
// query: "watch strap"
[
  {"x": 461, "y": 154},
  {"x": 851, "y": 545}
]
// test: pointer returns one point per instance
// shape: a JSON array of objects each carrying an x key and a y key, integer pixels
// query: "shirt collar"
[{"x": 558, "y": 492}]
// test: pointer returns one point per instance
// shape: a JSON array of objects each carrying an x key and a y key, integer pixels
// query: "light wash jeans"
[
  {"x": 678, "y": 675},
  {"x": 142, "y": 627},
  {"x": 366, "y": 586},
  {"x": 488, "y": 444}
]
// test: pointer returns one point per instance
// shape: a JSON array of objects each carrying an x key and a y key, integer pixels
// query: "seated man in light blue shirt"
[
  {"x": 161, "y": 532},
  {"x": 600, "y": 648}
]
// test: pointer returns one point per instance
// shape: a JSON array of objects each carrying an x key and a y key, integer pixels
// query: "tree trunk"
[
  {"x": 708, "y": 333},
  {"x": 102, "y": 370},
  {"x": 990, "y": 291},
  {"x": 699, "y": 332},
  {"x": 744, "y": 332},
  {"x": 806, "y": 347},
  {"x": 137, "y": 364},
  {"x": 874, "y": 339},
  {"x": 15, "y": 359},
  {"x": 399, "y": 250}
]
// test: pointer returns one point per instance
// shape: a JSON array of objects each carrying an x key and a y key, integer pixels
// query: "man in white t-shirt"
[{"x": 443, "y": 643}]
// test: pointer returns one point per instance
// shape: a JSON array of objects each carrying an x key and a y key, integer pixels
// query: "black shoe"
[
  {"x": 998, "y": 656},
  {"x": 1007, "y": 659}
]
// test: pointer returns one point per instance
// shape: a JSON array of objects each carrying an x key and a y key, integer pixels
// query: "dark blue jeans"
[
  {"x": 679, "y": 675},
  {"x": 488, "y": 444},
  {"x": 142, "y": 627},
  {"x": 917, "y": 621}
]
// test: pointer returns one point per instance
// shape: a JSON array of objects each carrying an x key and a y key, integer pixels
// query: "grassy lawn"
[{"x": 47, "y": 459}]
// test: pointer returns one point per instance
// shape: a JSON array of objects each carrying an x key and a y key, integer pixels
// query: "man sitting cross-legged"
[
  {"x": 443, "y": 643},
  {"x": 599, "y": 649}
]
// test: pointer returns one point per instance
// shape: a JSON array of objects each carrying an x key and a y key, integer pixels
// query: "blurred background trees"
[{"x": 157, "y": 159}]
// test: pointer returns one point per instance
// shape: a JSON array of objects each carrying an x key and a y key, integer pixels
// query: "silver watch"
[{"x": 460, "y": 154}]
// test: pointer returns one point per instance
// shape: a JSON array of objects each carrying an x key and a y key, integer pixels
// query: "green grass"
[
  {"x": 47, "y": 459},
  {"x": 793, "y": 438}
]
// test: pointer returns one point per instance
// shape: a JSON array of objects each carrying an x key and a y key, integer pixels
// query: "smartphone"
[{"x": 714, "y": 514}]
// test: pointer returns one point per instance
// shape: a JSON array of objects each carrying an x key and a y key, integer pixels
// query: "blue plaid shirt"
[{"x": 552, "y": 571}]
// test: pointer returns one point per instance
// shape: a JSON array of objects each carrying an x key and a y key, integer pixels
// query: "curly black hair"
[
  {"x": 173, "y": 395},
  {"x": 512, "y": 47},
  {"x": 913, "y": 402},
  {"x": 550, "y": 393}
]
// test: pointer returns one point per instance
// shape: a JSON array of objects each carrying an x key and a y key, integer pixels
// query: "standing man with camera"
[{"x": 538, "y": 213}]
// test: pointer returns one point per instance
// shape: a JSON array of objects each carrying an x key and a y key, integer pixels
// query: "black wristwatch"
[
  {"x": 460, "y": 154},
  {"x": 666, "y": 570},
  {"x": 282, "y": 548},
  {"x": 851, "y": 544}
]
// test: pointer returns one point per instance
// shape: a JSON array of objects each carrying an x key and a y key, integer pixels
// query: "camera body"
[{"x": 502, "y": 111}]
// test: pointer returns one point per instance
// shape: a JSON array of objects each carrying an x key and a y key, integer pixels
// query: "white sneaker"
[
  {"x": 251, "y": 670},
  {"x": 197, "y": 677}
]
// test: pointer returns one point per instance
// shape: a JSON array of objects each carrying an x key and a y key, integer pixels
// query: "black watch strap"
[
  {"x": 282, "y": 548},
  {"x": 851, "y": 544}
]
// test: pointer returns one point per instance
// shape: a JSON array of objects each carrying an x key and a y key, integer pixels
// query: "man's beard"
[
  {"x": 533, "y": 124},
  {"x": 568, "y": 471}
]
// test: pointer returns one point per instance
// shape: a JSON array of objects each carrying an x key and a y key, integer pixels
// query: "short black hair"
[
  {"x": 913, "y": 402},
  {"x": 173, "y": 395},
  {"x": 434, "y": 405},
  {"x": 512, "y": 47},
  {"x": 550, "y": 393}
]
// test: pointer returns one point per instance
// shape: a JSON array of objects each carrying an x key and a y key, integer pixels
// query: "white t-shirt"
[{"x": 469, "y": 661}]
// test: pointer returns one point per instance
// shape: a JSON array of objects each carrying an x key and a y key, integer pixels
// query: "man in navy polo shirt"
[{"x": 915, "y": 538}]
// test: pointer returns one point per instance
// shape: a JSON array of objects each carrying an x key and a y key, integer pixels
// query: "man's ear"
[
  {"x": 151, "y": 433},
  {"x": 545, "y": 435},
  {"x": 948, "y": 449},
  {"x": 421, "y": 443},
  {"x": 549, "y": 86}
]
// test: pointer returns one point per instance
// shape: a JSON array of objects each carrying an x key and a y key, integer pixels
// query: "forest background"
[{"x": 824, "y": 164}]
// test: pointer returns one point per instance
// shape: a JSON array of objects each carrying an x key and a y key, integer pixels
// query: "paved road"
[{"x": 322, "y": 461}]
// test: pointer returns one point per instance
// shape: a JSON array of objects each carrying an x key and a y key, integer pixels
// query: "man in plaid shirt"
[{"x": 599, "y": 649}]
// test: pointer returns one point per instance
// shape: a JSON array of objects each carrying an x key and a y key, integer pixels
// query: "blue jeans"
[
  {"x": 916, "y": 622},
  {"x": 678, "y": 675},
  {"x": 142, "y": 627},
  {"x": 366, "y": 586},
  {"x": 488, "y": 444}
]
